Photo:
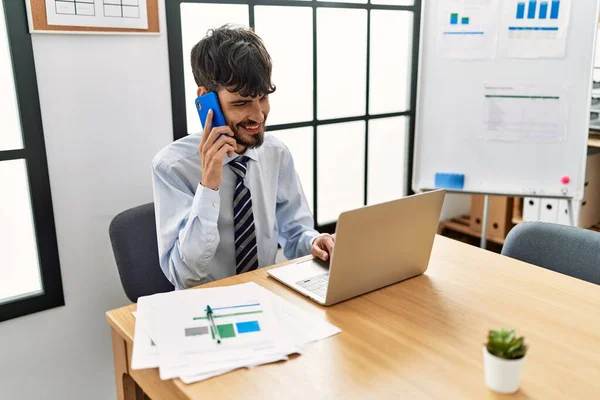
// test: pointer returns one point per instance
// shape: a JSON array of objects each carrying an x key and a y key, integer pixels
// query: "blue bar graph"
[
  {"x": 454, "y": 19},
  {"x": 520, "y": 10},
  {"x": 247, "y": 327},
  {"x": 555, "y": 9},
  {"x": 543, "y": 10},
  {"x": 464, "y": 21},
  {"x": 531, "y": 9},
  {"x": 543, "y": 13},
  {"x": 533, "y": 14}
]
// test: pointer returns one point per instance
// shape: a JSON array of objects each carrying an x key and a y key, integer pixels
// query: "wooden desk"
[{"x": 421, "y": 338}]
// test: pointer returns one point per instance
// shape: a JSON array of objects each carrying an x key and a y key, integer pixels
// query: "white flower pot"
[{"x": 502, "y": 376}]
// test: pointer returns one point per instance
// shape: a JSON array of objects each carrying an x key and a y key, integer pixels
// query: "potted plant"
[{"x": 503, "y": 360}]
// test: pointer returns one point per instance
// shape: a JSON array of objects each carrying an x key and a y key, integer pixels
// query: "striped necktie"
[{"x": 246, "y": 252}]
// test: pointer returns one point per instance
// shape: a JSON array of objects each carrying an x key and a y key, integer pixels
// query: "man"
[{"x": 226, "y": 198}]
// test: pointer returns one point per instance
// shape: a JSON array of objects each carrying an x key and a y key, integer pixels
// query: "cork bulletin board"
[{"x": 93, "y": 16}]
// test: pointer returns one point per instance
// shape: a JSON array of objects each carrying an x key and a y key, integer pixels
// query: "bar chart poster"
[
  {"x": 534, "y": 28},
  {"x": 467, "y": 29}
]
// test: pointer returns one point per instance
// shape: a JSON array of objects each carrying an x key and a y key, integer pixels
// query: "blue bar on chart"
[
  {"x": 520, "y": 10},
  {"x": 454, "y": 19},
  {"x": 543, "y": 10},
  {"x": 531, "y": 9},
  {"x": 464, "y": 20},
  {"x": 555, "y": 9},
  {"x": 247, "y": 327}
]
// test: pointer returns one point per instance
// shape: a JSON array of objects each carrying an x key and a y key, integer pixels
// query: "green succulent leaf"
[{"x": 505, "y": 344}]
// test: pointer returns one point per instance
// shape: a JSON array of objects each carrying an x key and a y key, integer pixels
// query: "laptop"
[{"x": 375, "y": 246}]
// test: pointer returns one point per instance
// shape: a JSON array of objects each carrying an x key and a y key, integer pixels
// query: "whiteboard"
[{"x": 457, "y": 105}]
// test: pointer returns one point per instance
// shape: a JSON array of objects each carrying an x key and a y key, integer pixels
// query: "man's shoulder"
[
  {"x": 272, "y": 143},
  {"x": 176, "y": 151}
]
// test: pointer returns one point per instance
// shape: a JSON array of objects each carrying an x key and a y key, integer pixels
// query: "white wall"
[
  {"x": 106, "y": 111},
  {"x": 455, "y": 205}
]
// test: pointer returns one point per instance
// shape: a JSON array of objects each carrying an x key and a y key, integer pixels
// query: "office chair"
[
  {"x": 133, "y": 237},
  {"x": 565, "y": 249}
]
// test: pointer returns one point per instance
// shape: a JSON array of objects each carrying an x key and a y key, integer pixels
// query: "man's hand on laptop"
[{"x": 323, "y": 246}]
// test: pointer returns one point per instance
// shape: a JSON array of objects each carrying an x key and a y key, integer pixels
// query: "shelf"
[{"x": 462, "y": 225}]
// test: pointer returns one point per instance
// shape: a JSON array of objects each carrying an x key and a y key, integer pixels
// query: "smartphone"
[{"x": 210, "y": 101}]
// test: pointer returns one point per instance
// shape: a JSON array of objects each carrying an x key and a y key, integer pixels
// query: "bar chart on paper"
[
  {"x": 534, "y": 28},
  {"x": 233, "y": 322},
  {"x": 533, "y": 12},
  {"x": 537, "y": 11},
  {"x": 197, "y": 334},
  {"x": 464, "y": 23},
  {"x": 467, "y": 29}
]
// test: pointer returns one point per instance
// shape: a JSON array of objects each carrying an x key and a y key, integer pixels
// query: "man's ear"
[{"x": 202, "y": 90}]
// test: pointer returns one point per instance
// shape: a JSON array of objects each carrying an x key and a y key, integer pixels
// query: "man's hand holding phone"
[{"x": 215, "y": 143}]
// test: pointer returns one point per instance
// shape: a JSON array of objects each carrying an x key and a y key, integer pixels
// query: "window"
[
  {"x": 30, "y": 278},
  {"x": 346, "y": 75}
]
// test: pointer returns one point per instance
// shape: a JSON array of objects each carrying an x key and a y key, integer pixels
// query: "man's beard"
[{"x": 254, "y": 141}]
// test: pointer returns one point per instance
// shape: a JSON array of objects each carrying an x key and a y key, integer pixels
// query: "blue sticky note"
[
  {"x": 247, "y": 327},
  {"x": 449, "y": 181}
]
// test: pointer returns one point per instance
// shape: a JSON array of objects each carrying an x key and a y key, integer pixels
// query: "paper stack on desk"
[{"x": 174, "y": 333}]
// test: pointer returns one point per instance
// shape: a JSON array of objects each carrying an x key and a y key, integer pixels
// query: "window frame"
[
  {"x": 178, "y": 106},
  {"x": 34, "y": 154}
]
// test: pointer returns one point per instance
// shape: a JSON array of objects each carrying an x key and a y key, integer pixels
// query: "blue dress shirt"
[{"x": 195, "y": 224}]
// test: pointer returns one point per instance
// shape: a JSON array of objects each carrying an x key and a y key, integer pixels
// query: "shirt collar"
[{"x": 250, "y": 153}]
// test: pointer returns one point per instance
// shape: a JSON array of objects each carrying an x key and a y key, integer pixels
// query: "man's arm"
[
  {"x": 186, "y": 225},
  {"x": 294, "y": 219}
]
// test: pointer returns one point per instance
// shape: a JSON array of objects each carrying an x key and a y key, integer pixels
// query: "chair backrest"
[
  {"x": 133, "y": 237},
  {"x": 565, "y": 249}
]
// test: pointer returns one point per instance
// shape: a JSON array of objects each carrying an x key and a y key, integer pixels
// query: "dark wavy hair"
[{"x": 234, "y": 58}]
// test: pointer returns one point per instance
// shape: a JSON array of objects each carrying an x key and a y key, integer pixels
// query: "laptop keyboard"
[{"x": 316, "y": 284}]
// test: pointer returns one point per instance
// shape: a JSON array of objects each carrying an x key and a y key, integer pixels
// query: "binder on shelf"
[
  {"x": 549, "y": 210},
  {"x": 531, "y": 209}
]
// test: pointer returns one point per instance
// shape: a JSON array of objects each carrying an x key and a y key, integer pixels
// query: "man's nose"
[{"x": 257, "y": 113}]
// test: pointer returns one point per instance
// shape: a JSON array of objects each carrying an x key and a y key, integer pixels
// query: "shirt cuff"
[
  {"x": 312, "y": 241},
  {"x": 207, "y": 203}
]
